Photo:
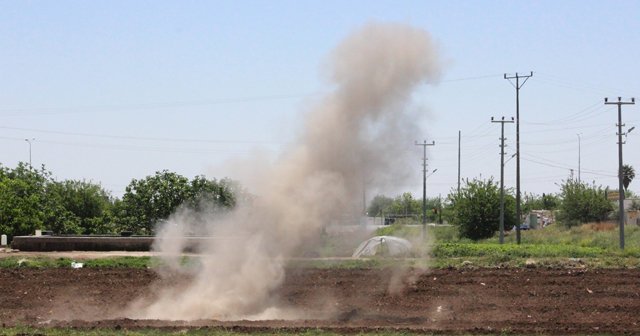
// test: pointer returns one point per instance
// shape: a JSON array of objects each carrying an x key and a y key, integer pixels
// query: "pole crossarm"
[{"x": 517, "y": 76}]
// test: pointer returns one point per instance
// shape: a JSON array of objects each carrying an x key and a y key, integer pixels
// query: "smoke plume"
[{"x": 359, "y": 133}]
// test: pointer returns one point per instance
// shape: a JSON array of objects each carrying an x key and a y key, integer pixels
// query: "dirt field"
[{"x": 549, "y": 301}]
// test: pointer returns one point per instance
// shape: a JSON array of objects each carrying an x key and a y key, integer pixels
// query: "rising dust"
[{"x": 359, "y": 132}]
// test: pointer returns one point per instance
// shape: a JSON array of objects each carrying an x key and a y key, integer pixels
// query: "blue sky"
[{"x": 115, "y": 90}]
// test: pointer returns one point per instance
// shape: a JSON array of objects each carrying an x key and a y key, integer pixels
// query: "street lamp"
[
  {"x": 578, "y": 157},
  {"x": 509, "y": 159},
  {"x": 29, "y": 141}
]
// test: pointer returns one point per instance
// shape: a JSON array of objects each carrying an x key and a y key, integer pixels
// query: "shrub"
[
  {"x": 582, "y": 203},
  {"x": 476, "y": 209}
]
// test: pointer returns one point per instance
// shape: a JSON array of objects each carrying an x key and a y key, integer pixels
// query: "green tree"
[
  {"x": 206, "y": 192},
  {"x": 22, "y": 198},
  {"x": 32, "y": 200},
  {"x": 582, "y": 203},
  {"x": 148, "y": 201},
  {"x": 87, "y": 204},
  {"x": 476, "y": 209},
  {"x": 539, "y": 202},
  {"x": 379, "y": 205},
  {"x": 405, "y": 205},
  {"x": 628, "y": 174}
]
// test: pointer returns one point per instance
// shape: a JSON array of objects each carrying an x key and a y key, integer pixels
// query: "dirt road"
[{"x": 549, "y": 301}]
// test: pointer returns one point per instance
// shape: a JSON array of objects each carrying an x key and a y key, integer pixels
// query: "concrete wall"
[{"x": 81, "y": 243}]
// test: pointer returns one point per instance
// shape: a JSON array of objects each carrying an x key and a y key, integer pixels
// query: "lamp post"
[
  {"x": 435, "y": 170},
  {"x": 29, "y": 141},
  {"x": 578, "y": 157}
]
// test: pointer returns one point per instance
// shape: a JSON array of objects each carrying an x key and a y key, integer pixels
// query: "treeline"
[
  {"x": 475, "y": 209},
  {"x": 31, "y": 199},
  {"x": 405, "y": 207}
]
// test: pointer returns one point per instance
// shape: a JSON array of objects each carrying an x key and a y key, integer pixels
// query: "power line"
[
  {"x": 470, "y": 78},
  {"x": 593, "y": 108},
  {"x": 182, "y": 103},
  {"x": 565, "y": 141},
  {"x": 589, "y": 87},
  {"x": 153, "y": 106},
  {"x": 565, "y": 167},
  {"x": 129, "y": 137},
  {"x": 136, "y": 148}
]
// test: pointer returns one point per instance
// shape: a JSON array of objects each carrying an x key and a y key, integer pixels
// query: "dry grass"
[{"x": 601, "y": 226}]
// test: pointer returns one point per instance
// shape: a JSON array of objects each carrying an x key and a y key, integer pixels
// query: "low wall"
[
  {"x": 81, "y": 243},
  {"x": 49, "y": 243}
]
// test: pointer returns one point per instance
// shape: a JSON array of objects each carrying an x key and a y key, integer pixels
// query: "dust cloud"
[{"x": 359, "y": 132}]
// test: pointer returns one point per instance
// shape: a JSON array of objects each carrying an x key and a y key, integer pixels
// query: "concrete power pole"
[
  {"x": 459, "y": 137},
  {"x": 620, "y": 173},
  {"x": 424, "y": 183},
  {"x": 502, "y": 145},
  {"x": 518, "y": 85}
]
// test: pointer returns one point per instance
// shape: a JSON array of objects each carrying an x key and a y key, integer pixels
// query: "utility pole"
[
  {"x": 502, "y": 145},
  {"x": 364, "y": 198},
  {"x": 518, "y": 86},
  {"x": 620, "y": 175},
  {"x": 424, "y": 183},
  {"x": 439, "y": 208},
  {"x": 579, "y": 180},
  {"x": 29, "y": 141},
  {"x": 459, "y": 137}
]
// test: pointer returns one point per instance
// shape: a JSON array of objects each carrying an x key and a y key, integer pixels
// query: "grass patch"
[
  {"x": 126, "y": 262},
  {"x": 520, "y": 251},
  {"x": 548, "y": 262},
  {"x": 587, "y": 235},
  {"x": 34, "y": 262},
  {"x": 594, "y": 245},
  {"x": 45, "y": 262}
]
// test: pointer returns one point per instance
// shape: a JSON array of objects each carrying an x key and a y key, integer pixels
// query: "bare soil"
[{"x": 477, "y": 301}]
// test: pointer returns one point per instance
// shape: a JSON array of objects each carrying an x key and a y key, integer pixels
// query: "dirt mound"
[{"x": 551, "y": 301}]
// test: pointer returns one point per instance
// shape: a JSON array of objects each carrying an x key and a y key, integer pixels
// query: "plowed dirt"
[{"x": 532, "y": 301}]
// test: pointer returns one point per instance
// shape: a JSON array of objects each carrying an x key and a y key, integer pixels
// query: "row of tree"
[
  {"x": 404, "y": 206},
  {"x": 475, "y": 209},
  {"x": 31, "y": 199}
]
